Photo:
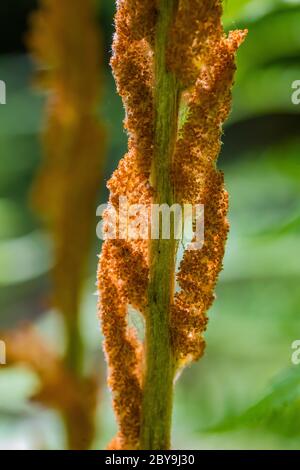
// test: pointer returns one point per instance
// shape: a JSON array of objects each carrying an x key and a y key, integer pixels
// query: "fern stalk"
[
  {"x": 159, "y": 373},
  {"x": 166, "y": 53}
]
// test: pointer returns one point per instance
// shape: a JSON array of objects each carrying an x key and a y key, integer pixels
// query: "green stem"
[
  {"x": 74, "y": 347},
  {"x": 159, "y": 373}
]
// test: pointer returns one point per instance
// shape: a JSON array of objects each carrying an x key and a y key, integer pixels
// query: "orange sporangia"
[
  {"x": 178, "y": 48},
  {"x": 196, "y": 178},
  {"x": 123, "y": 267}
]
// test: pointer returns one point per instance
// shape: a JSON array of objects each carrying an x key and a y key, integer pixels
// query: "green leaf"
[
  {"x": 270, "y": 39},
  {"x": 278, "y": 410},
  {"x": 265, "y": 91},
  {"x": 241, "y": 10}
]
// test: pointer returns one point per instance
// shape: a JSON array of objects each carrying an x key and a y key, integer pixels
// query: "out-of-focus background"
[{"x": 245, "y": 393}]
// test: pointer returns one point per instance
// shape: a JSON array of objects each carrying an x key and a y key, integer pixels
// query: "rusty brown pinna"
[{"x": 174, "y": 67}]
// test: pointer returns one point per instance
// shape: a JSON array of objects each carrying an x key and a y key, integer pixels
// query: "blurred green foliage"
[{"x": 226, "y": 400}]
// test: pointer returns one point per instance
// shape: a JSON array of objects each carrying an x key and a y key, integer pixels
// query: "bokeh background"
[{"x": 245, "y": 393}]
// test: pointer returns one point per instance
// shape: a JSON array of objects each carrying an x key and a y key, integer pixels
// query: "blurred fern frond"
[{"x": 65, "y": 43}]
